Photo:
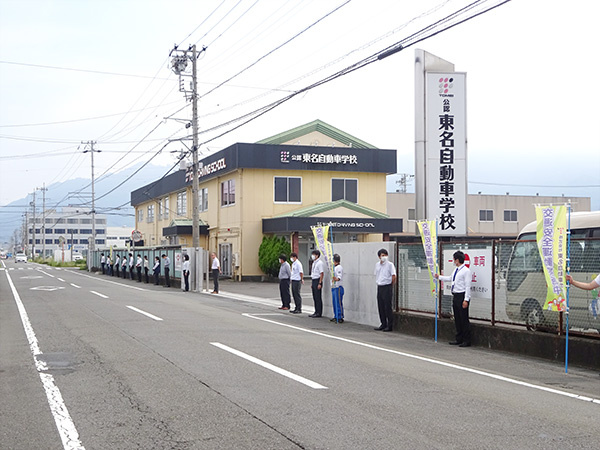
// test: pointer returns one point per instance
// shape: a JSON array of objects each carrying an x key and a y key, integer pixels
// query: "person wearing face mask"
[
  {"x": 297, "y": 282},
  {"x": 461, "y": 296},
  {"x": 285, "y": 272},
  {"x": 316, "y": 275},
  {"x": 385, "y": 277}
]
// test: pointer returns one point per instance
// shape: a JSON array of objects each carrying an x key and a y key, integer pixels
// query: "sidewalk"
[{"x": 263, "y": 293}]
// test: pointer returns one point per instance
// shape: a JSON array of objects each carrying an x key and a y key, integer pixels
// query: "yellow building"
[{"x": 313, "y": 174}]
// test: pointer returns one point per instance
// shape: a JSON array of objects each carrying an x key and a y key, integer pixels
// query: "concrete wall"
[{"x": 360, "y": 297}]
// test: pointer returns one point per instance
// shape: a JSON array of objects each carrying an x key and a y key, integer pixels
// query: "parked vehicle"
[
  {"x": 526, "y": 284},
  {"x": 20, "y": 257}
]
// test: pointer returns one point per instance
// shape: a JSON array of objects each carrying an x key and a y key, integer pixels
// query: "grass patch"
[{"x": 82, "y": 264}]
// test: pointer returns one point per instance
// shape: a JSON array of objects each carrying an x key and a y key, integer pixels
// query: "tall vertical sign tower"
[{"x": 440, "y": 144}]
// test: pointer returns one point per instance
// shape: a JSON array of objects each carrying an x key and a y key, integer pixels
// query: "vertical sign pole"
[
  {"x": 568, "y": 284},
  {"x": 437, "y": 281}
]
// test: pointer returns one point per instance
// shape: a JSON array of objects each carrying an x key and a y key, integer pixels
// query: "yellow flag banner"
[
  {"x": 324, "y": 245},
  {"x": 552, "y": 243},
  {"x": 428, "y": 232}
]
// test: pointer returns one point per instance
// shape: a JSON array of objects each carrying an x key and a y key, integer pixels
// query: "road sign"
[{"x": 136, "y": 236}]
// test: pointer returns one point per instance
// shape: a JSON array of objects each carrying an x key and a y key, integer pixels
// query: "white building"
[
  {"x": 68, "y": 229},
  {"x": 118, "y": 236}
]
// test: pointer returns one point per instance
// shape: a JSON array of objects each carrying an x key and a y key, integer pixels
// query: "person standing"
[
  {"x": 124, "y": 266},
  {"x": 138, "y": 267},
  {"x": 337, "y": 290},
  {"x": 109, "y": 267},
  {"x": 117, "y": 265},
  {"x": 216, "y": 270},
  {"x": 285, "y": 273},
  {"x": 594, "y": 284},
  {"x": 131, "y": 266},
  {"x": 186, "y": 271},
  {"x": 385, "y": 278},
  {"x": 461, "y": 299},
  {"x": 297, "y": 278},
  {"x": 167, "y": 262},
  {"x": 156, "y": 270},
  {"x": 103, "y": 262},
  {"x": 146, "y": 269},
  {"x": 316, "y": 276}
]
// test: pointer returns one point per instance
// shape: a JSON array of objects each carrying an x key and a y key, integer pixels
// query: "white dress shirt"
[
  {"x": 317, "y": 269},
  {"x": 384, "y": 273},
  {"x": 338, "y": 272},
  {"x": 461, "y": 281},
  {"x": 296, "y": 270}
]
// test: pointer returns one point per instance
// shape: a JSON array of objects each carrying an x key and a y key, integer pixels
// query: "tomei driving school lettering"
[{"x": 213, "y": 167}]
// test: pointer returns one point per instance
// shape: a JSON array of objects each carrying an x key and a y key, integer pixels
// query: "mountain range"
[{"x": 67, "y": 193}]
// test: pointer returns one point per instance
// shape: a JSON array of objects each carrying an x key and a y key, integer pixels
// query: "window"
[
  {"x": 160, "y": 210},
  {"x": 85, "y": 231},
  {"x": 86, "y": 221},
  {"x": 150, "y": 217},
  {"x": 203, "y": 199},
  {"x": 344, "y": 189},
  {"x": 166, "y": 210},
  {"x": 73, "y": 231},
  {"x": 59, "y": 231},
  {"x": 182, "y": 203},
  {"x": 56, "y": 241},
  {"x": 100, "y": 231},
  {"x": 140, "y": 217},
  {"x": 228, "y": 193},
  {"x": 100, "y": 241},
  {"x": 486, "y": 215},
  {"x": 72, "y": 220},
  {"x": 288, "y": 190},
  {"x": 412, "y": 214},
  {"x": 48, "y": 241},
  {"x": 510, "y": 215}
]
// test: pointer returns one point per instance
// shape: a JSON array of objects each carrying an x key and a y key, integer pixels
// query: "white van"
[{"x": 526, "y": 284}]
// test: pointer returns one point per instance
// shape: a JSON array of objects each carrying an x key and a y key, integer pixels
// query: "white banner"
[
  {"x": 446, "y": 151},
  {"x": 480, "y": 263}
]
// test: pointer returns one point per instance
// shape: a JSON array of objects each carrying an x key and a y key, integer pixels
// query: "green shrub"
[{"x": 268, "y": 254}]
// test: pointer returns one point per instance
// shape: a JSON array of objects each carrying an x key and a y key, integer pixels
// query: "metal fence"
[{"x": 508, "y": 285}]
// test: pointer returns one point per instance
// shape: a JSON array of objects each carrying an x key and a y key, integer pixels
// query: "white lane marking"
[
  {"x": 45, "y": 273},
  {"x": 108, "y": 281},
  {"x": 60, "y": 279},
  {"x": 144, "y": 313},
  {"x": 75, "y": 286},
  {"x": 46, "y": 288},
  {"x": 435, "y": 361},
  {"x": 66, "y": 428},
  {"x": 266, "y": 301},
  {"x": 99, "y": 294},
  {"x": 266, "y": 365}
]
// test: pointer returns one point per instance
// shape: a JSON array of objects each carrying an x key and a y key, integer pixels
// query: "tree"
[{"x": 268, "y": 254}]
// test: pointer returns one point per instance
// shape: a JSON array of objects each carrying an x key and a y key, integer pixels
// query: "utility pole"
[
  {"x": 89, "y": 148},
  {"x": 43, "y": 189},
  {"x": 33, "y": 227},
  {"x": 178, "y": 66}
]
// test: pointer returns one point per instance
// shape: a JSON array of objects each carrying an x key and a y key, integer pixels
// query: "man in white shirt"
[
  {"x": 216, "y": 270},
  {"x": 385, "y": 278},
  {"x": 297, "y": 281},
  {"x": 138, "y": 267},
  {"x": 594, "y": 284},
  {"x": 461, "y": 298},
  {"x": 337, "y": 290},
  {"x": 316, "y": 275},
  {"x": 103, "y": 262}
]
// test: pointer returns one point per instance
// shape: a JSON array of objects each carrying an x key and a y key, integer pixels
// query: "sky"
[{"x": 74, "y": 71}]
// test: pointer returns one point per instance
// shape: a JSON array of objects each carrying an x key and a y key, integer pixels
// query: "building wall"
[
  {"x": 254, "y": 200},
  {"x": 398, "y": 205}
]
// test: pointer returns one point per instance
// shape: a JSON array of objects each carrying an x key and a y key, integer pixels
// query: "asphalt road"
[{"x": 124, "y": 365}]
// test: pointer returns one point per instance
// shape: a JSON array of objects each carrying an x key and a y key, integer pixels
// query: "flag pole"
[{"x": 568, "y": 284}]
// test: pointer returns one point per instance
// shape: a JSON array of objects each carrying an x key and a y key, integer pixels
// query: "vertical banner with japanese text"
[
  {"x": 446, "y": 151},
  {"x": 552, "y": 243},
  {"x": 324, "y": 246},
  {"x": 428, "y": 230}
]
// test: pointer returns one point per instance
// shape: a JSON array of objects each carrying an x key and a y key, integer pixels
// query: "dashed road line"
[
  {"x": 99, "y": 294},
  {"x": 152, "y": 316}
]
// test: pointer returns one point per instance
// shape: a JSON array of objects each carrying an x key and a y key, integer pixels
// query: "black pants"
[
  {"x": 284, "y": 292},
  {"x": 131, "y": 272},
  {"x": 103, "y": 264},
  {"x": 117, "y": 271},
  {"x": 461, "y": 318},
  {"x": 317, "y": 296},
  {"x": 296, "y": 284},
  {"x": 186, "y": 279},
  {"x": 139, "y": 273},
  {"x": 156, "y": 278},
  {"x": 385, "y": 294},
  {"x": 216, "y": 279},
  {"x": 146, "y": 274},
  {"x": 167, "y": 279}
]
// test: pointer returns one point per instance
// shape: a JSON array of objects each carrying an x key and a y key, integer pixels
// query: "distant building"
[
  {"x": 65, "y": 229},
  {"x": 488, "y": 216},
  {"x": 118, "y": 236}
]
